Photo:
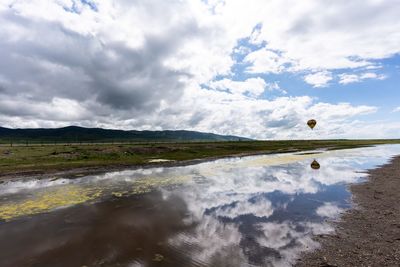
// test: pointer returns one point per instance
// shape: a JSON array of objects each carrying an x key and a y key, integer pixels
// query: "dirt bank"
[{"x": 368, "y": 235}]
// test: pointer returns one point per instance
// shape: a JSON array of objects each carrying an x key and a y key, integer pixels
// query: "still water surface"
[{"x": 250, "y": 211}]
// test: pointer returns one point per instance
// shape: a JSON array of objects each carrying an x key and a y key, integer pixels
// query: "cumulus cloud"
[
  {"x": 173, "y": 65},
  {"x": 44, "y": 58}
]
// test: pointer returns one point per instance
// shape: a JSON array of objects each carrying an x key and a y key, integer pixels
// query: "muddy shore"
[{"x": 369, "y": 234}]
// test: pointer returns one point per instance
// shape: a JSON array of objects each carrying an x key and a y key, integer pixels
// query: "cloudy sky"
[{"x": 255, "y": 68}]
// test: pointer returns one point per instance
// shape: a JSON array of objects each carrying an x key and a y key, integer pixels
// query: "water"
[{"x": 250, "y": 211}]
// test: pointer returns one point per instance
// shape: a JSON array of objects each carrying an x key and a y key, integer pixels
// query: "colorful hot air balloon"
[
  {"x": 315, "y": 165},
  {"x": 311, "y": 123}
]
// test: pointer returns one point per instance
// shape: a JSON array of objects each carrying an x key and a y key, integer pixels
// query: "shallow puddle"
[{"x": 250, "y": 211}]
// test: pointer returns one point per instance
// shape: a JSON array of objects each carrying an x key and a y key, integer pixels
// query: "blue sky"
[
  {"x": 383, "y": 93},
  {"x": 253, "y": 68}
]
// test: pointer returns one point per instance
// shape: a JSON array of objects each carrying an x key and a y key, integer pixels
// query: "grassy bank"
[{"x": 22, "y": 159}]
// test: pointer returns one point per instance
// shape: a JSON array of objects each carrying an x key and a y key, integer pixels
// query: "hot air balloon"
[
  {"x": 311, "y": 123},
  {"x": 315, "y": 165}
]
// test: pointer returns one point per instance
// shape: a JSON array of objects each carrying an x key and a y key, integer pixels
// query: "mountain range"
[{"x": 81, "y": 134}]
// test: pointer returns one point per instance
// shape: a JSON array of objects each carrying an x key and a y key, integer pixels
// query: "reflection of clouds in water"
[
  {"x": 211, "y": 242},
  {"x": 286, "y": 240},
  {"x": 238, "y": 198},
  {"x": 259, "y": 208},
  {"x": 290, "y": 239},
  {"x": 329, "y": 210},
  {"x": 293, "y": 178},
  {"x": 289, "y": 179},
  {"x": 136, "y": 264},
  {"x": 18, "y": 186}
]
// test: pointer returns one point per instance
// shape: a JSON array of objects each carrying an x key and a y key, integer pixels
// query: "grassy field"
[{"x": 21, "y": 159}]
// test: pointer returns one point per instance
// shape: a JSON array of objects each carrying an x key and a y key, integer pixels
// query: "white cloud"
[
  {"x": 210, "y": 110},
  {"x": 276, "y": 87},
  {"x": 253, "y": 86},
  {"x": 315, "y": 35},
  {"x": 265, "y": 61},
  {"x": 282, "y": 117},
  {"x": 396, "y": 109},
  {"x": 352, "y": 78},
  {"x": 318, "y": 79},
  {"x": 348, "y": 78}
]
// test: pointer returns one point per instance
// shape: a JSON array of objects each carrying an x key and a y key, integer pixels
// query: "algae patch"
[
  {"x": 149, "y": 183},
  {"x": 49, "y": 200},
  {"x": 68, "y": 195}
]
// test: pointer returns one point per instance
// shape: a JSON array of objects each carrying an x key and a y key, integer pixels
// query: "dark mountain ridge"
[{"x": 75, "y": 133}]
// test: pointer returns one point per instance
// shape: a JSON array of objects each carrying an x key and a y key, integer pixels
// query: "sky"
[{"x": 253, "y": 68}]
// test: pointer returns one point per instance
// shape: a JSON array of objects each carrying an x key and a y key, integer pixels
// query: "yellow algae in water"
[
  {"x": 278, "y": 159},
  {"x": 147, "y": 184},
  {"x": 210, "y": 170},
  {"x": 45, "y": 201}
]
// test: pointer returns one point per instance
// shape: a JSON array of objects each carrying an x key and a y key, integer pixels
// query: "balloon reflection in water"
[{"x": 315, "y": 165}]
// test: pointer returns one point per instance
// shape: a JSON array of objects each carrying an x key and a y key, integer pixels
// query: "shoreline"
[
  {"x": 37, "y": 162},
  {"x": 369, "y": 233}
]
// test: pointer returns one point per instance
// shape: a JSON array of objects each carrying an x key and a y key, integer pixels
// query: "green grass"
[{"x": 20, "y": 159}]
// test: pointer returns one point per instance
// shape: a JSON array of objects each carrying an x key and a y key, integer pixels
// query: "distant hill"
[{"x": 80, "y": 134}]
